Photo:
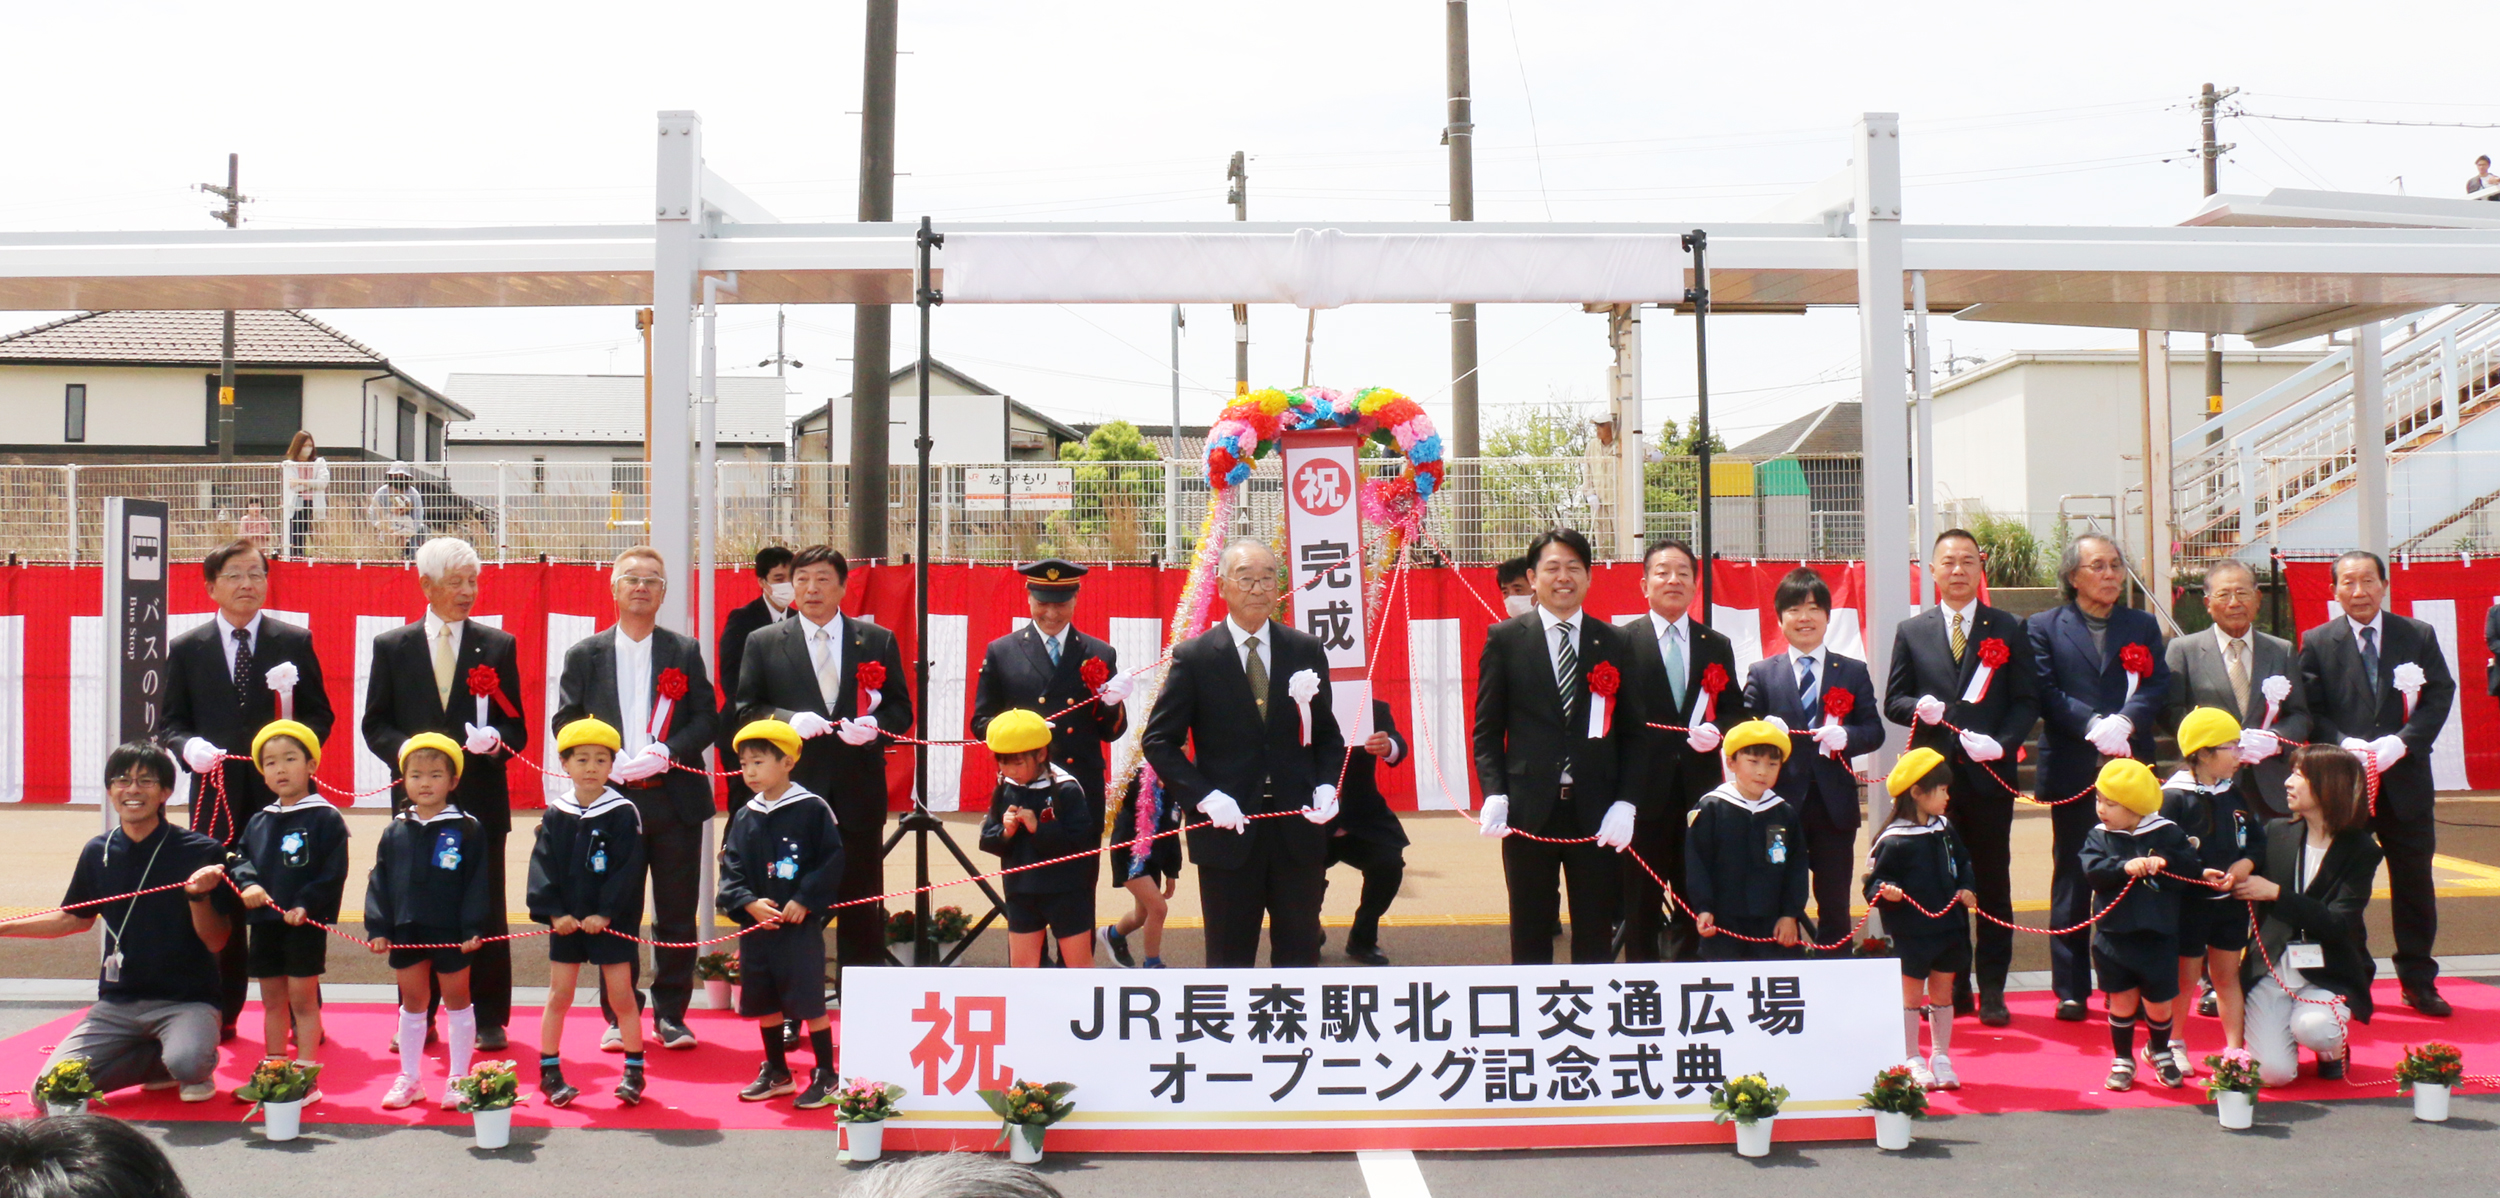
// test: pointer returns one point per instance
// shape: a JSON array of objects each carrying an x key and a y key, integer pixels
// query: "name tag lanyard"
[
  {"x": 2302, "y": 954},
  {"x": 113, "y": 935}
]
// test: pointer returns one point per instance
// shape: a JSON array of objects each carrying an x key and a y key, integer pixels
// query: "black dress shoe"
[
  {"x": 2207, "y": 1007},
  {"x": 492, "y": 1039},
  {"x": 2070, "y": 1010},
  {"x": 1368, "y": 954},
  {"x": 1992, "y": 1012},
  {"x": 2427, "y": 1000},
  {"x": 2331, "y": 1069}
]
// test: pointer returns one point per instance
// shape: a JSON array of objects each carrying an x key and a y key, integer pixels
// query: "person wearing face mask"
[
  {"x": 772, "y": 579},
  {"x": 1518, "y": 593}
]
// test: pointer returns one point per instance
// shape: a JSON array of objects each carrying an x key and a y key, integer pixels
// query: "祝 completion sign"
[
  {"x": 1324, "y": 536},
  {"x": 1258, "y": 1060}
]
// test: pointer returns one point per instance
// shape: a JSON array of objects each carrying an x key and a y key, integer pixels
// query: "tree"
[{"x": 1112, "y": 503}]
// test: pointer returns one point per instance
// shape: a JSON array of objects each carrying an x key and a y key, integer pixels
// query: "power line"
[
  {"x": 1510, "y": 13},
  {"x": 2244, "y": 114}
]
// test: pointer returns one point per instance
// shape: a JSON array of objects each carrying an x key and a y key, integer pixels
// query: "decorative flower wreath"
[{"x": 1248, "y": 430}]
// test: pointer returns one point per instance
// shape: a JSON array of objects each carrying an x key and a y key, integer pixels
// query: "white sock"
[
  {"x": 1940, "y": 1027},
  {"x": 463, "y": 1037},
  {"x": 411, "y": 1043},
  {"x": 1909, "y": 1030}
]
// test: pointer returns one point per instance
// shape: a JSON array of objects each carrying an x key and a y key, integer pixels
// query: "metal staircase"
[{"x": 2289, "y": 451}]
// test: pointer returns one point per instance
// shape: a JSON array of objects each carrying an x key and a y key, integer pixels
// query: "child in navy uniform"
[
  {"x": 2135, "y": 940},
  {"x": 1151, "y": 886},
  {"x": 1039, "y": 812},
  {"x": 585, "y": 878},
  {"x": 293, "y": 873},
  {"x": 779, "y": 867},
  {"x": 1744, "y": 854},
  {"x": 2203, "y": 798},
  {"x": 429, "y": 888},
  {"x": 1917, "y": 865}
]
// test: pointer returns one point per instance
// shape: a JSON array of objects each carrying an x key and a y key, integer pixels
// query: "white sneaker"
[
  {"x": 2179, "y": 1056},
  {"x": 403, "y": 1094},
  {"x": 1942, "y": 1067},
  {"x": 198, "y": 1091},
  {"x": 451, "y": 1097},
  {"x": 1920, "y": 1075},
  {"x": 612, "y": 1040}
]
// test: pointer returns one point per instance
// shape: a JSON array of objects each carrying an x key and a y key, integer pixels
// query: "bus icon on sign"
[
  {"x": 145, "y": 559},
  {"x": 1321, "y": 488}
]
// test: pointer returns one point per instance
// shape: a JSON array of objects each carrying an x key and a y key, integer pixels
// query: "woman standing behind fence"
[{"x": 303, "y": 489}]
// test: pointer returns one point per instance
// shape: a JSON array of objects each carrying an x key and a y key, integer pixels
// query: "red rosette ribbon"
[
  {"x": 1093, "y": 673},
  {"x": 1992, "y": 655},
  {"x": 1604, "y": 681},
  {"x": 485, "y": 683},
  {"x": 1713, "y": 681},
  {"x": 1838, "y": 703},
  {"x": 871, "y": 680},
  {"x": 671, "y": 686},
  {"x": 2137, "y": 661}
]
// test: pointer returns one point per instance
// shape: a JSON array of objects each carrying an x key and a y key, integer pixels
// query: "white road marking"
[{"x": 1392, "y": 1174}]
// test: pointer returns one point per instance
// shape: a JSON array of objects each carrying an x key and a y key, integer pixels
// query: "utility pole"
[
  {"x": 1237, "y": 194},
  {"x": 232, "y": 194},
  {"x": 781, "y": 354},
  {"x": 872, "y": 325},
  {"x": 2211, "y": 155},
  {"x": 1460, "y": 136}
]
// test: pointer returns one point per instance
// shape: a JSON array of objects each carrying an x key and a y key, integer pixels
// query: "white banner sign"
[
  {"x": 1020, "y": 488},
  {"x": 1303, "y": 1059},
  {"x": 1324, "y": 536}
]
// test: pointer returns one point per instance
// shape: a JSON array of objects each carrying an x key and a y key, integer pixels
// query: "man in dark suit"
[
  {"x": 1937, "y": 657},
  {"x": 1226, "y": 737},
  {"x": 1802, "y": 686},
  {"x": 806, "y": 673},
  {"x": 222, "y": 685},
  {"x": 1041, "y": 668},
  {"x": 2231, "y": 666},
  {"x": 1675, "y": 686},
  {"x": 649, "y": 684},
  {"x": 421, "y": 682},
  {"x": 2357, "y": 669},
  {"x": 1368, "y": 836},
  {"x": 2093, "y": 707},
  {"x": 1549, "y": 767},
  {"x": 772, "y": 577},
  {"x": 2491, "y": 643}
]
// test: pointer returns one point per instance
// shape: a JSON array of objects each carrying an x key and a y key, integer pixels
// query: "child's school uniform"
[
  {"x": 1745, "y": 864},
  {"x": 1927, "y": 861},
  {"x": 588, "y": 861},
  {"x": 1163, "y": 856},
  {"x": 298, "y": 853},
  {"x": 2224, "y": 831},
  {"x": 1059, "y": 897},
  {"x": 2135, "y": 943},
  {"x": 779, "y": 850},
  {"x": 429, "y": 886}
]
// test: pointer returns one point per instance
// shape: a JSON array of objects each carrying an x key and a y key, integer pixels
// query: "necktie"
[
  {"x": 2239, "y": 674},
  {"x": 828, "y": 671},
  {"x": 1958, "y": 639},
  {"x": 243, "y": 669},
  {"x": 445, "y": 660},
  {"x": 1675, "y": 664},
  {"x": 2369, "y": 658},
  {"x": 1258, "y": 676},
  {"x": 1051, "y": 643},
  {"x": 1805, "y": 689},
  {"x": 1566, "y": 669}
]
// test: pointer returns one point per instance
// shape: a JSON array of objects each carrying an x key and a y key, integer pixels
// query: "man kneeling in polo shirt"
[{"x": 155, "y": 1017}]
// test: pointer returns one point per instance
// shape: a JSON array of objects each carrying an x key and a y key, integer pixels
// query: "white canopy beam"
[{"x": 1884, "y": 420}]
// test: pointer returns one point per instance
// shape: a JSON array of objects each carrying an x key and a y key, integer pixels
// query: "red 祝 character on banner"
[{"x": 1604, "y": 681}]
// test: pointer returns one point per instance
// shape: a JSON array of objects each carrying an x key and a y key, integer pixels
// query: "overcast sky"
[{"x": 456, "y": 113}]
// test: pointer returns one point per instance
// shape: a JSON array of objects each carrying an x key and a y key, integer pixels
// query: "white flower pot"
[
  {"x": 867, "y": 1139},
  {"x": 1892, "y": 1130},
  {"x": 716, "y": 994},
  {"x": 2430, "y": 1103},
  {"x": 1754, "y": 1139},
  {"x": 2238, "y": 1111},
  {"x": 494, "y": 1128},
  {"x": 80, "y": 1107},
  {"x": 282, "y": 1121},
  {"x": 1024, "y": 1144}
]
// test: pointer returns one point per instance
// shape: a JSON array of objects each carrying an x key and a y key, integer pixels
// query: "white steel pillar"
[
  {"x": 2369, "y": 425},
  {"x": 1922, "y": 380},
  {"x": 1623, "y": 331},
  {"x": 1885, "y": 429},
  {"x": 2153, "y": 345},
  {"x": 673, "y": 270}
]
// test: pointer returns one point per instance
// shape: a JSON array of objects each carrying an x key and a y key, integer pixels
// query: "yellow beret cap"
[
  {"x": 773, "y": 732},
  {"x": 2206, "y": 728},
  {"x": 2129, "y": 783},
  {"x": 588, "y": 731},
  {"x": 1914, "y": 765},
  {"x": 1019, "y": 731},
  {"x": 1769, "y": 730},
  {"x": 431, "y": 740},
  {"x": 303, "y": 736}
]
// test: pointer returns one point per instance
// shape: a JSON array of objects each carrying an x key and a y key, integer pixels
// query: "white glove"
[
  {"x": 1495, "y": 822},
  {"x": 1323, "y": 806},
  {"x": 810, "y": 725},
  {"x": 282, "y": 676},
  {"x": 2257, "y": 744},
  {"x": 2390, "y": 750},
  {"x": 649, "y": 763},
  {"x": 200, "y": 755},
  {"x": 1981, "y": 747},
  {"x": 2355, "y": 745},
  {"x": 1115, "y": 690},
  {"x": 482, "y": 739},
  {"x": 1930, "y": 709},
  {"x": 1222, "y": 811},
  {"x": 859, "y": 731},
  {"x": 2109, "y": 734},
  {"x": 1831, "y": 738},
  {"x": 1615, "y": 831},
  {"x": 1704, "y": 738}
]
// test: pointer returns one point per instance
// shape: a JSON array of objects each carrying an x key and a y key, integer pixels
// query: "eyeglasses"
[
  {"x": 131, "y": 782},
  {"x": 231, "y": 578},
  {"x": 641, "y": 580},
  {"x": 1247, "y": 582}
]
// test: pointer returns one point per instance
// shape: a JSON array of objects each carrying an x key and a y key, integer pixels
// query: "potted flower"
[
  {"x": 1896, "y": 1100},
  {"x": 946, "y": 926},
  {"x": 719, "y": 972},
  {"x": 1029, "y": 1108},
  {"x": 1750, "y": 1102},
  {"x": 280, "y": 1089},
  {"x": 2430, "y": 1071},
  {"x": 2231, "y": 1077},
  {"x": 864, "y": 1106},
  {"x": 488, "y": 1092},
  {"x": 67, "y": 1087}
]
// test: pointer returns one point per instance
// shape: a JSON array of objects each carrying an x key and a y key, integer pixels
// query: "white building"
[
  {"x": 972, "y": 422},
  {"x": 555, "y": 418}
]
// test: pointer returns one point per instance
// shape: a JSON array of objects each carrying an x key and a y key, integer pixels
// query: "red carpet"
[{"x": 2038, "y": 1064}]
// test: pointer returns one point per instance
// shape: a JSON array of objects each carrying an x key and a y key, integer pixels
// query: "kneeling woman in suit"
[{"x": 2313, "y": 970}]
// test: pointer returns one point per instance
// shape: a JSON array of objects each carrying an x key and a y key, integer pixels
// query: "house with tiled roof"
[{"x": 129, "y": 386}]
